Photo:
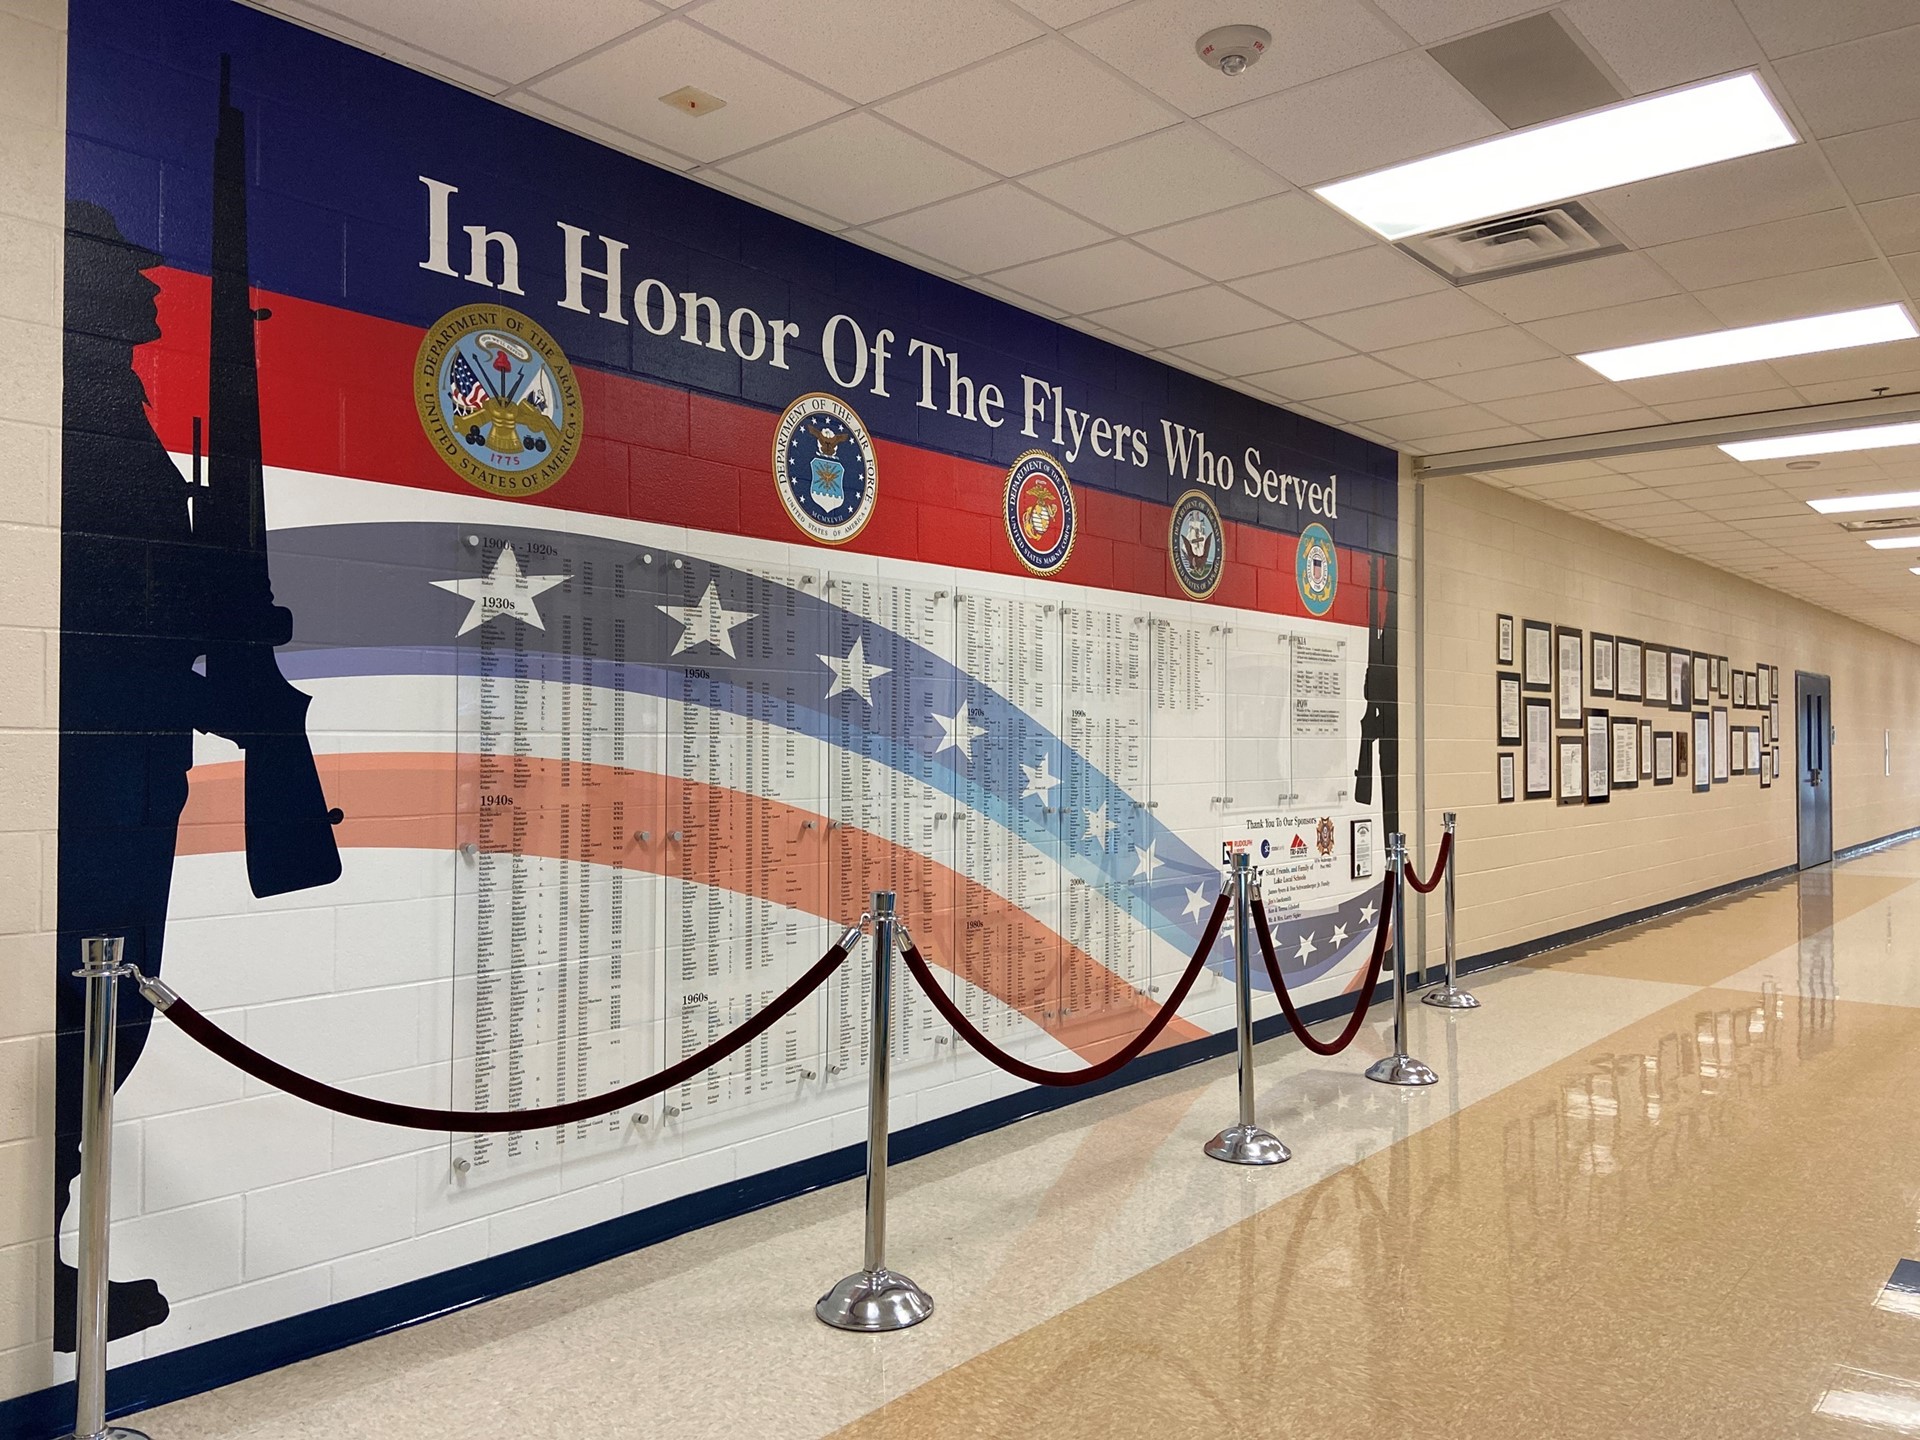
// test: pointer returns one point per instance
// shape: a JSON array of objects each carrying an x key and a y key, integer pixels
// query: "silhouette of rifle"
[{"x": 290, "y": 843}]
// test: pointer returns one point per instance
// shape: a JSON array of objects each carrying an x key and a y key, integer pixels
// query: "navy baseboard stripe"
[{"x": 47, "y": 1413}]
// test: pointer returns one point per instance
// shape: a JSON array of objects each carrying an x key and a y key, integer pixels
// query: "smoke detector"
[{"x": 1230, "y": 49}]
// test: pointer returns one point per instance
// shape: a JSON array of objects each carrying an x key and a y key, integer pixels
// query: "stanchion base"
[
  {"x": 1401, "y": 1070},
  {"x": 873, "y": 1301},
  {"x": 1448, "y": 998},
  {"x": 112, "y": 1432},
  {"x": 1248, "y": 1145}
]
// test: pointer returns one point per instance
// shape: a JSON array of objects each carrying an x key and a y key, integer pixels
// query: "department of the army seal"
[
  {"x": 824, "y": 468},
  {"x": 498, "y": 400},
  {"x": 1040, "y": 514},
  {"x": 1197, "y": 545}
]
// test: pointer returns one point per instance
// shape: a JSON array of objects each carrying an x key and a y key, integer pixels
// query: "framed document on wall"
[
  {"x": 1599, "y": 761},
  {"x": 1503, "y": 640},
  {"x": 1509, "y": 683},
  {"x": 1625, "y": 734},
  {"x": 1703, "y": 750},
  {"x": 1766, "y": 770},
  {"x": 1626, "y": 668},
  {"x": 1702, "y": 675},
  {"x": 1765, "y": 676},
  {"x": 1722, "y": 745},
  {"x": 1572, "y": 767},
  {"x": 1602, "y": 655},
  {"x": 1569, "y": 673},
  {"x": 1654, "y": 674},
  {"x": 1646, "y": 749},
  {"x": 1720, "y": 679},
  {"x": 1506, "y": 761},
  {"x": 1663, "y": 758},
  {"x": 1539, "y": 751},
  {"x": 1679, "y": 680},
  {"x": 1536, "y": 670}
]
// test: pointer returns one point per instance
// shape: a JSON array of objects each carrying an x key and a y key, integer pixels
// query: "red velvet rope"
[
  {"x": 1439, "y": 867},
  {"x": 414, "y": 1117},
  {"x": 1326, "y": 1047},
  {"x": 968, "y": 1031}
]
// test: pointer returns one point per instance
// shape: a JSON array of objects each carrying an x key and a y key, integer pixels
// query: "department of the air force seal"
[
  {"x": 824, "y": 469},
  {"x": 1316, "y": 569},
  {"x": 1041, "y": 520},
  {"x": 498, "y": 399},
  {"x": 1197, "y": 544}
]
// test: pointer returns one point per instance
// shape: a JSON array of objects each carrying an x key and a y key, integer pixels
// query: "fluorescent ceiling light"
[
  {"x": 1897, "y": 542},
  {"x": 1809, "y": 335},
  {"x": 1853, "y": 504},
  {"x": 1699, "y": 125},
  {"x": 1831, "y": 442}
]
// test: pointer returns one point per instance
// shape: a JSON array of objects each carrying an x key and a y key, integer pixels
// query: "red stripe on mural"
[
  {"x": 336, "y": 390},
  {"x": 729, "y": 841}
]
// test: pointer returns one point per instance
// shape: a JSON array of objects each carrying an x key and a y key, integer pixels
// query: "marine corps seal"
[
  {"x": 498, "y": 400},
  {"x": 1040, "y": 514}
]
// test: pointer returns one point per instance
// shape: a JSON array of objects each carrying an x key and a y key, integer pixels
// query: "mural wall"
[{"x": 519, "y": 603}]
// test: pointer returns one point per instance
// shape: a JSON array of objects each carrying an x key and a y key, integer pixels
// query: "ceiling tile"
[
  {"x": 766, "y": 200},
  {"x": 1436, "y": 424},
  {"x": 1822, "y": 392},
  {"x": 1870, "y": 364},
  {"x": 1159, "y": 179},
  {"x": 1732, "y": 194},
  {"x": 1034, "y": 106},
  {"x": 1283, "y": 230},
  {"x": 1582, "y": 285},
  {"x": 622, "y": 85},
  {"x": 1895, "y": 223},
  {"x": 1471, "y": 440},
  {"x": 503, "y": 37},
  {"x": 1506, "y": 381},
  {"x": 1786, "y": 27},
  {"x": 859, "y": 168},
  {"x": 1111, "y": 274},
  {"x": 899, "y": 45},
  {"x": 1780, "y": 247},
  {"x": 1878, "y": 164},
  {"x": 1153, "y": 43},
  {"x": 1559, "y": 404},
  {"x": 1181, "y": 318},
  {"x": 1329, "y": 377},
  {"x": 1015, "y": 298},
  {"x": 587, "y": 126},
  {"x": 1272, "y": 348},
  {"x": 1404, "y": 322},
  {"x": 1374, "y": 115},
  {"x": 1703, "y": 384},
  {"x": 1431, "y": 20},
  {"x": 1747, "y": 402},
  {"x": 377, "y": 41},
  {"x": 904, "y": 254},
  {"x": 1907, "y": 267},
  {"x": 1643, "y": 320},
  {"x": 1600, "y": 424},
  {"x": 1370, "y": 405},
  {"x": 1654, "y": 44},
  {"x": 1456, "y": 355},
  {"x": 1857, "y": 86},
  {"x": 1813, "y": 292},
  {"x": 1369, "y": 276},
  {"x": 990, "y": 229},
  {"x": 1062, "y": 13}
]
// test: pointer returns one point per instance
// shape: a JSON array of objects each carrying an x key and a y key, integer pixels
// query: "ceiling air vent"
[
  {"x": 1881, "y": 522},
  {"x": 1514, "y": 244}
]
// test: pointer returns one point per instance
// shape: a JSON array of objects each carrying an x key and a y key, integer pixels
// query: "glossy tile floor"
[{"x": 1659, "y": 1191}]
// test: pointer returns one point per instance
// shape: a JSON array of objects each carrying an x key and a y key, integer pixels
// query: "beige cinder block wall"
[
  {"x": 33, "y": 70},
  {"x": 1533, "y": 868}
]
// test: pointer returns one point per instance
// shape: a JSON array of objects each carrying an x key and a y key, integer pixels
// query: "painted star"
[
  {"x": 1307, "y": 947},
  {"x": 1339, "y": 936},
  {"x": 854, "y": 674},
  {"x": 1040, "y": 780},
  {"x": 1099, "y": 827},
  {"x": 1145, "y": 862},
  {"x": 1367, "y": 912},
  {"x": 502, "y": 591},
  {"x": 1196, "y": 905},
  {"x": 707, "y": 623},
  {"x": 957, "y": 732}
]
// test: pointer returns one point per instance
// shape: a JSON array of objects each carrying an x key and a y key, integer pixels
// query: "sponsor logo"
[
  {"x": 824, "y": 468},
  {"x": 1297, "y": 850},
  {"x": 1266, "y": 849},
  {"x": 1196, "y": 542},
  {"x": 1316, "y": 569},
  {"x": 1323, "y": 837},
  {"x": 1040, "y": 515},
  {"x": 498, "y": 400}
]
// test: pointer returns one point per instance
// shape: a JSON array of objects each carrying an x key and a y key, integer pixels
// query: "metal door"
[{"x": 1813, "y": 695}]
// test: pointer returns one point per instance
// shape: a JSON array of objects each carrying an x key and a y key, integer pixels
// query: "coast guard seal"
[
  {"x": 1316, "y": 569},
  {"x": 824, "y": 468},
  {"x": 498, "y": 400},
  {"x": 1040, "y": 514},
  {"x": 1197, "y": 545}
]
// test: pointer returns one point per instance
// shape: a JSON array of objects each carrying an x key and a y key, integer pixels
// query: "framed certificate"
[
  {"x": 1720, "y": 677},
  {"x": 1679, "y": 680},
  {"x": 1509, "y": 683},
  {"x": 1737, "y": 763},
  {"x": 1663, "y": 758},
  {"x": 1765, "y": 676},
  {"x": 1626, "y": 668},
  {"x": 1646, "y": 749},
  {"x": 1506, "y": 761},
  {"x": 1360, "y": 832},
  {"x": 1766, "y": 770},
  {"x": 1625, "y": 735},
  {"x": 1599, "y": 761},
  {"x": 1601, "y": 650},
  {"x": 1536, "y": 671},
  {"x": 1655, "y": 675},
  {"x": 1680, "y": 749},
  {"x": 1503, "y": 640},
  {"x": 1773, "y": 713},
  {"x": 1702, "y": 675},
  {"x": 1703, "y": 749},
  {"x": 1538, "y": 724},
  {"x": 1569, "y": 675},
  {"x": 1722, "y": 745},
  {"x": 1572, "y": 767},
  {"x": 1776, "y": 759}
]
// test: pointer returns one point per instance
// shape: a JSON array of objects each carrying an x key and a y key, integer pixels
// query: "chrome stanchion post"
[
  {"x": 1399, "y": 1068},
  {"x": 1450, "y": 996},
  {"x": 102, "y": 968},
  {"x": 874, "y": 1298},
  {"x": 1245, "y": 1143}
]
